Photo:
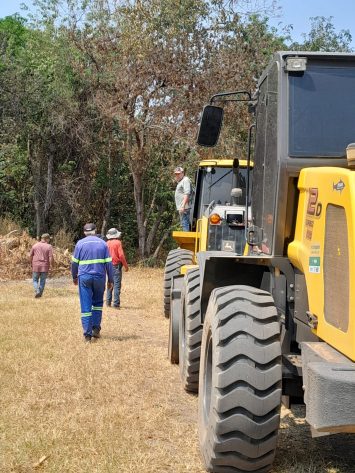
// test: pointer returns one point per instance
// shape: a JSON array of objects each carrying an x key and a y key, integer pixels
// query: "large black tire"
[
  {"x": 173, "y": 344},
  {"x": 240, "y": 381},
  {"x": 174, "y": 261},
  {"x": 190, "y": 331}
]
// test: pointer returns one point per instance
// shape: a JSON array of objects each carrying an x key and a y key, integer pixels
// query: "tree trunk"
[
  {"x": 153, "y": 230},
  {"x": 138, "y": 198},
  {"x": 107, "y": 215},
  {"x": 158, "y": 248},
  {"x": 35, "y": 168},
  {"x": 49, "y": 190},
  {"x": 108, "y": 196},
  {"x": 39, "y": 214}
]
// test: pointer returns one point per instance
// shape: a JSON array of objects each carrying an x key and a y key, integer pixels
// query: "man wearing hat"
[
  {"x": 183, "y": 193},
  {"x": 41, "y": 258},
  {"x": 91, "y": 262},
  {"x": 118, "y": 260}
]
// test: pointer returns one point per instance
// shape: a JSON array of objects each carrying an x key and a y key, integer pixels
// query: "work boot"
[
  {"x": 38, "y": 294},
  {"x": 87, "y": 338},
  {"x": 96, "y": 333}
]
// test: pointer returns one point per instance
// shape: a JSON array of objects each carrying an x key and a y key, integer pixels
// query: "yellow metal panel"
[
  {"x": 320, "y": 187},
  {"x": 185, "y": 269},
  {"x": 228, "y": 163},
  {"x": 203, "y": 234},
  {"x": 185, "y": 240},
  {"x": 198, "y": 232},
  {"x": 194, "y": 241}
]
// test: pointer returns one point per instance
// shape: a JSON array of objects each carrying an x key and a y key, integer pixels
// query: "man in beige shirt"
[
  {"x": 41, "y": 258},
  {"x": 183, "y": 194}
]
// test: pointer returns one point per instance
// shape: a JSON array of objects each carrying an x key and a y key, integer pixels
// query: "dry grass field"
[{"x": 115, "y": 405}]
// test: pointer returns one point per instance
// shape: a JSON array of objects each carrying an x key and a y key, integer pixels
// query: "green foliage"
[
  {"x": 13, "y": 34},
  {"x": 100, "y": 101},
  {"x": 323, "y": 37},
  {"x": 15, "y": 181}
]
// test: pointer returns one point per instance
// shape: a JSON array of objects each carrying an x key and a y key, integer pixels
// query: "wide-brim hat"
[{"x": 113, "y": 233}]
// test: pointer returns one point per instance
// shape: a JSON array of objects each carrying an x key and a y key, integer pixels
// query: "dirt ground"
[{"x": 116, "y": 405}]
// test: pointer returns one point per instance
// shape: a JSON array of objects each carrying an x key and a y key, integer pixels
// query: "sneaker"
[
  {"x": 87, "y": 338},
  {"x": 96, "y": 333}
]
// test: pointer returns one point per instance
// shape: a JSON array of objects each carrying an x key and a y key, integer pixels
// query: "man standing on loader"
[{"x": 183, "y": 194}]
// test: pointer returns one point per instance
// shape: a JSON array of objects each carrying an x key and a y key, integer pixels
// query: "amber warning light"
[{"x": 215, "y": 219}]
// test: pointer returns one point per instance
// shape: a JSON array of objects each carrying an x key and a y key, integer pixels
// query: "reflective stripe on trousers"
[{"x": 91, "y": 293}]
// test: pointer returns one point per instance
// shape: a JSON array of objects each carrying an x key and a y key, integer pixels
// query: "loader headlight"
[
  {"x": 215, "y": 219},
  {"x": 296, "y": 64}
]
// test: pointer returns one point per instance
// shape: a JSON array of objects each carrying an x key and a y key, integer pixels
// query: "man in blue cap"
[{"x": 91, "y": 262}]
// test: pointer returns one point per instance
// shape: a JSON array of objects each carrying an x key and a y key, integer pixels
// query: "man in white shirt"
[{"x": 183, "y": 193}]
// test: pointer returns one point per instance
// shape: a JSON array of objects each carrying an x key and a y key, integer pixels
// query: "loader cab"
[
  {"x": 220, "y": 204},
  {"x": 214, "y": 183}
]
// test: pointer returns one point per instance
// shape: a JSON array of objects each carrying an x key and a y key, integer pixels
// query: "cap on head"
[
  {"x": 45, "y": 236},
  {"x": 178, "y": 170},
  {"x": 89, "y": 227},
  {"x": 113, "y": 233}
]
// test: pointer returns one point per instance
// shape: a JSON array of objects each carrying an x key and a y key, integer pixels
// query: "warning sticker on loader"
[
  {"x": 314, "y": 264},
  {"x": 315, "y": 249}
]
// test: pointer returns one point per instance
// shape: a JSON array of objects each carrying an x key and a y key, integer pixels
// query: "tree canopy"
[
  {"x": 324, "y": 37},
  {"x": 100, "y": 100}
]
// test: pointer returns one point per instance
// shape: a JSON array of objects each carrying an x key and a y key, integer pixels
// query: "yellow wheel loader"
[
  {"x": 218, "y": 223},
  {"x": 278, "y": 323}
]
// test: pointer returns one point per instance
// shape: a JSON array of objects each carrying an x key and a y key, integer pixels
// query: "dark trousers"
[{"x": 117, "y": 278}]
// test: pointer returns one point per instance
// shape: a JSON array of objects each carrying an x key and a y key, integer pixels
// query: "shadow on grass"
[
  {"x": 131, "y": 307},
  {"x": 117, "y": 338},
  {"x": 51, "y": 293},
  {"x": 298, "y": 452}
]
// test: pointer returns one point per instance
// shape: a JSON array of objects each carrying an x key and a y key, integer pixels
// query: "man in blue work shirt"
[{"x": 91, "y": 262}]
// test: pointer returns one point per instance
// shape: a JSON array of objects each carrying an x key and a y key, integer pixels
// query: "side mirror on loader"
[
  {"x": 255, "y": 235},
  {"x": 210, "y": 126}
]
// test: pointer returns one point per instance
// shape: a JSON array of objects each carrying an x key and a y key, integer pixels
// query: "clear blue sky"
[
  {"x": 295, "y": 12},
  {"x": 298, "y": 13},
  {"x": 9, "y": 7}
]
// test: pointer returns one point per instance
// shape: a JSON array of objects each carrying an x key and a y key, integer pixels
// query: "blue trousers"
[
  {"x": 91, "y": 293},
  {"x": 117, "y": 279},
  {"x": 185, "y": 220},
  {"x": 39, "y": 281}
]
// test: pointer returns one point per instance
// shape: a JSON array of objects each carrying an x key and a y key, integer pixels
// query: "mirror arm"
[
  {"x": 225, "y": 94},
  {"x": 207, "y": 211},
  {"x": 248, "y": 174}
]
